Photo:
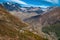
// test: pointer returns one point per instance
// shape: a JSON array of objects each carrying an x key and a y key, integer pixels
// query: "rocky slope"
[
  {"x": 11, "y": 28},
  {"x": 45, "y": 19},
  {"x": 22, "y": 15}
]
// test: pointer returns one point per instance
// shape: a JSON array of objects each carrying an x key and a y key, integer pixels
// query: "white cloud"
[
  {"x": 53, "y": 1},
  {"x": 19, "y": 1},
  {"x": 43, "y": 6}
]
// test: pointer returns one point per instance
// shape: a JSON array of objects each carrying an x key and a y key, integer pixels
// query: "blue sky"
[{"x": 36, "y": 3}]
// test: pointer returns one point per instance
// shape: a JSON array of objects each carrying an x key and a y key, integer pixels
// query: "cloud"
[
  {"x": 53, "y": 1},
  {"x": 43, "y": 6},
  {"x": 19, "y": 1}
]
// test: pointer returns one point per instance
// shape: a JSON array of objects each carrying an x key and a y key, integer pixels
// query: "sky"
[{"x": 35, "y": 3}]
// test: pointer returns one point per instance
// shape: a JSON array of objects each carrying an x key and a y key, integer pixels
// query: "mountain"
[
  {"x": 27, "y": 12},
  {"x": 11, "y": 28},
  {"x": 12, "y": 6},
  {"x": 17, "y": 10},
  {"x": 38, "y": 22},
  {"x": 21, "y": 12},
  {"x": 32, "y": 9}
]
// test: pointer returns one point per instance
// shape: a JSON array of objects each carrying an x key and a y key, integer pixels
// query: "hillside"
[
  {"x": 11, "y": 28},
  {"x": 45, "y": 19},
  {"x": 53, "y": 30}
]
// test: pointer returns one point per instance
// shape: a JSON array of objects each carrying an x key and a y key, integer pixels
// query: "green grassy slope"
[{"x": 55, "y": 28}]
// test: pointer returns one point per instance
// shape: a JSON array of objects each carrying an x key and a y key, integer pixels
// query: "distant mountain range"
[{"x": 11, "y": 6}]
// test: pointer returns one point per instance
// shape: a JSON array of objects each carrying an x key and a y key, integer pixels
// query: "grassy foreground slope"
[
  {"x": 10, "y": 27},
  {"x": 53, "y": 30}
]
